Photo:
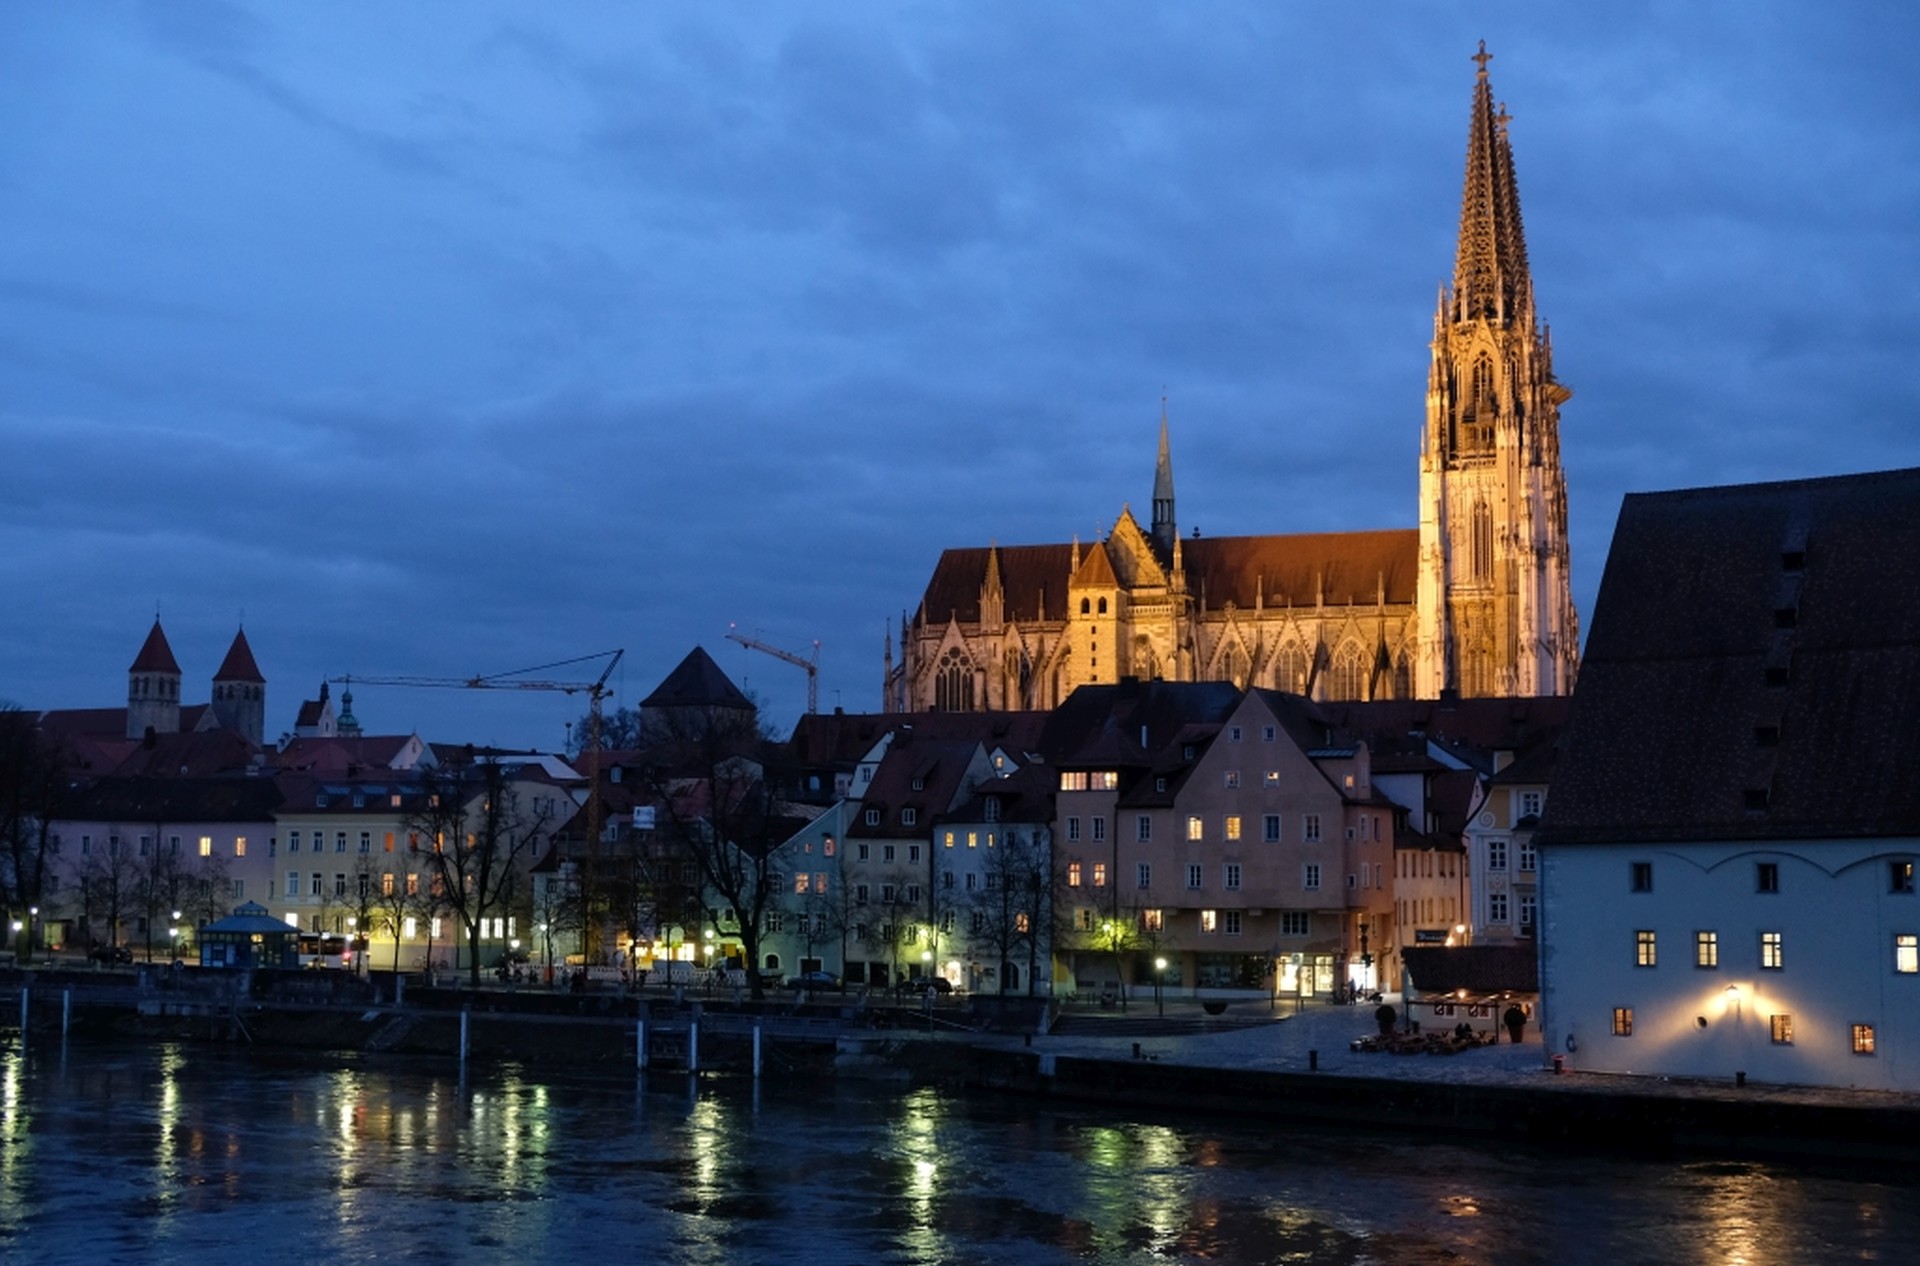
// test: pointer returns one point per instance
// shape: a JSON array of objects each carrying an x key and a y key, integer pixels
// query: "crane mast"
[{"x": 812, "y": 666}]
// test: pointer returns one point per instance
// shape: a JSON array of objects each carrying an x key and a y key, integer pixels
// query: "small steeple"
[
  {"x": 240, "y": 692},
  {"x": 153, "y": 687},
  {"x": 1164, "y": 532}
]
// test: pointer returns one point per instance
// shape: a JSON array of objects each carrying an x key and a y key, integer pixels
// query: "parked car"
[
  {"x": 110, "y": 954},
  {"x": 813, "y": 980},
  {"x": 920, "y": 984}
]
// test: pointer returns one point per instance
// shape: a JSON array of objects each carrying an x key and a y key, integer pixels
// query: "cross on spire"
[{"x": 1483, "y": 57}]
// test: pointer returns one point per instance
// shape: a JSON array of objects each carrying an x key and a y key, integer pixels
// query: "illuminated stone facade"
[{"x": 1476, "y": 599}]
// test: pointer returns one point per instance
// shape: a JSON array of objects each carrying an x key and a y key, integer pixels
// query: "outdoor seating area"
[{"x": 1423, "y": 1043}]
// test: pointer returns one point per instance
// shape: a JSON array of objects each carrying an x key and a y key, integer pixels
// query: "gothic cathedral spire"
[
  {"x": 1495, "y": 604},
  {"x": 1164, "y": 532}
]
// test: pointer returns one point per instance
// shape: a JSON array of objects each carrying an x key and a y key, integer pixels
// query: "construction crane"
[
  {"x": 595, "y": 690},
  {"x": 811, "y": 665}
]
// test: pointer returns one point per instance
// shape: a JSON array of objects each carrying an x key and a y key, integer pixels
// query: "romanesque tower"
[
  {"x": 153, "y": 687},
  {"x": 240, "y": 692},
  {"x": 1495, "y": 604}
]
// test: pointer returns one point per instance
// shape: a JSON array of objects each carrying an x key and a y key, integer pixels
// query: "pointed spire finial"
[{"x": 1483, "y": 57}]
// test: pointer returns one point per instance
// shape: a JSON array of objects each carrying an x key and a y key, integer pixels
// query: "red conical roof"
[
  {"x": 155, "y": 655},
  {"x": 239, "y": 665}
]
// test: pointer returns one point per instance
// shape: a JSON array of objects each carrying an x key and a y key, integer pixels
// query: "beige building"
[{"x": 1475, "y": 600}]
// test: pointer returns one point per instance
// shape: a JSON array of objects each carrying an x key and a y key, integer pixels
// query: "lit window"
[
  {"x": 239, "y": 846},
  {"x": 1150, "y": 921},
  {"x": 1623, "y": 1021},
  {"x": 1772, "y": 951},
  {"x": 1232, "y": 826},
  {"x": 206, "y": 846},
  {"x": 1233, "y": 779},
  {"x": 1209, "y": 921},
  {"x": 1644, "y": 951},
  {"x": 1780, "y": 1029},
  {"x": 1863, "y": 1039},
  {"x": 802, "y": 883},
  {"x": 1706, "y": 949},
  {"x": 949, "y": 839},
  {"x": 1099, "y": 874},
  {"x": 1900, "y": 877},
  {"x": 1073, "y": 874},
  {"x": 1272, "y": 777},
  {"x": 1196, "y": 830},
  {"x": 1906, "y": 953},
  {"x": 973, "y": 839}
]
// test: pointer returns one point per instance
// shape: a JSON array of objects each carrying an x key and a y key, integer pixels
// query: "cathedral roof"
[
  {"x": 239, "y": 665},
  {"x": 1338, "y": 568},
  {"x": 1751, "y": 670},
  {"x": 155, "y": 655}
]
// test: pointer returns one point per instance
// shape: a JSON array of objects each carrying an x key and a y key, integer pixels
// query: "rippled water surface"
[{"x": 175, "y": 1154}]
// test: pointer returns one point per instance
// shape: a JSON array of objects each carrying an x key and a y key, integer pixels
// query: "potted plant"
[
  {"x": 1516, "y": 1021},
  {"x": 1384, "y": 1017}
]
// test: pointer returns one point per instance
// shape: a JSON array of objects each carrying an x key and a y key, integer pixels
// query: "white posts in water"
[
  {"x": 640, "y": 1047},
  {"x": 693, "y": 1047}
]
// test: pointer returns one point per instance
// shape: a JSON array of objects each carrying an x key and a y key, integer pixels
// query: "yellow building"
[{"x": 1476, "y": 600}]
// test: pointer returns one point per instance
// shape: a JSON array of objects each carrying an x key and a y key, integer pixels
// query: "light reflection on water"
[{"x": 184, "y": 1154}]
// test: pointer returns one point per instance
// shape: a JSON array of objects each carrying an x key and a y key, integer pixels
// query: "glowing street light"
[{"x": 1159, "y": 970}]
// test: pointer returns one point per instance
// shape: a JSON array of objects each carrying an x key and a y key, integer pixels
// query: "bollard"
[
  {"x": 1313, "y": 1061},
  {"x": 24, "y": 991},
  {"x": 464, "y": 1017},
  {"x": 1136, "y": 1050},
  {"x": 66, "y": 1012},
  {"x": 693, "y": 1047},
  {"x": 756, "y": 1052},
  {"x": 640, "y": 1047},
  {"x": 1559, "y": 1064},
  {"x": 1739, "y": 1079}
]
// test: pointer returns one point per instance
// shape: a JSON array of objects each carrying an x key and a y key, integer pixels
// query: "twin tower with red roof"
[{"x": 153, "y": 692}]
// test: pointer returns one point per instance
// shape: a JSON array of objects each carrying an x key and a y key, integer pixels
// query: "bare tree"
[
  {"x": 162, "y": 882},
  {"x": 478, "y": 837},
  {"x": 209, "y": 893},
  {"x": 1006, "y": 916},
  {"x": 109, "y": 887},
  {"x": 31, "y": 782}
]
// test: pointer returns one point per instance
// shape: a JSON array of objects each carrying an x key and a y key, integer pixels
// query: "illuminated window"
[
  {"x": 1233, "y": 779},
  {"x": 413, "y": 888},
  {"x": 1153, "y": 920},
  {"x": 1863, "y": 1039},
  {"x": 1209, "y": 921},
  {"x": 206, "y": 846},
  {"x": 1099, "y": 874},
  {"x": 1623, "y": 1021},
  {"x": 1196, "y": 829},
  {"x": 827, "y": 845},
  {"x": 1644, "y": 950},
  {"x": 819, "y": 883},
  {"x": 802, "y": 883},
  {"x": 1272, "y": 777},
  {"x": 239, "y": 846},
  {"x": 1900, "y": 877},
  {"x": 1073, "y": 874},
  {"x": 1772, "y": 951},
  {"x": 1021, "y": 923},
  {"x": 1232, "y": 827},
  {"x": 1780, "y": 1029},
  {"x": 1706, "y": 949},
  {"x": 386, "y": 884},
  {"x": 1906, "y": 953}
]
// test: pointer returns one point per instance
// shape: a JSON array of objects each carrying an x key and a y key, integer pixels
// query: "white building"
[{"x": 1727, "y": 859}]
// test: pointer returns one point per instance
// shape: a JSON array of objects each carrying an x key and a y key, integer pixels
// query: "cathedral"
[{"x": 1475, "y": 602}]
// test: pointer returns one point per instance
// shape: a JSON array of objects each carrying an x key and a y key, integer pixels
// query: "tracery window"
[
  {"x": 953, "y": 683},
  {"x": 1290, "y": 671},
  {"x": 1349, "y": 676}
]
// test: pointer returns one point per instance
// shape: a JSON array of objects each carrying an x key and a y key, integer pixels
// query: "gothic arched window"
[
  {"x": 1482, "y": 542},
  {"x": 1348, "y": 680},
  {"x": 1086, "y": 606},
  {"x": 1103, "y": 606},
  {"x": 1290, "y": 671},
  {"x": 1236, "y": 667},
  {"x": 953, "y": 683}
]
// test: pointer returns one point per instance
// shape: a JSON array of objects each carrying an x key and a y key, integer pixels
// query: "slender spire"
[
  {"x": 1491, "y": 280},
  {"x": 1165, "y": 532}
]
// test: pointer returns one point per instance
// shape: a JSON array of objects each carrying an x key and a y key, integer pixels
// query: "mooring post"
[
  {"x": 640, "y": 1048},
  {"x": 693, "y": 1047},
  {"x": 24, "y": 991},
  {"x": 756, "y": 1052},
  {"x": 66, "y": 1011},
  {"x": 464, "y": 1017}
]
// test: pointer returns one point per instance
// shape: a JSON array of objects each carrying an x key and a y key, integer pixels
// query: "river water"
[{"x": 188, "y": 1154}]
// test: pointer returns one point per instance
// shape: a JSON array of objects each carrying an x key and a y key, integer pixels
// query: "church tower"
[
  {"x": 153, "y": 687},
  {"x": 1495, "y": 604},
  {"x": 240, "y": 692},
  {"x": 1164, "y": 532}
]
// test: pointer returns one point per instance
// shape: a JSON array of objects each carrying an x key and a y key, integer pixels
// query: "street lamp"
[
  {"x": 16, "y": 940},
  {"x": 33, "y": 929},
  {"x": 1159, "y": 970}
]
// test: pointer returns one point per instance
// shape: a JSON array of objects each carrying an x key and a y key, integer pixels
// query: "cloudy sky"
[{"x": 460, "y": 338}]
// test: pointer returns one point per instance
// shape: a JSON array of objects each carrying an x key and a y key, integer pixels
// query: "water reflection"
[{"x": 187, "y": 1150}]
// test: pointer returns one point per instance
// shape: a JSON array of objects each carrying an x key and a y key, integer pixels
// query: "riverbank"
[{"x": 1299, "y": 1068}]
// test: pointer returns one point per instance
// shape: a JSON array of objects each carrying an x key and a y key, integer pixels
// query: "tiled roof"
[
  {"x": 1752, "y": 669},
  {"x": 697, "y": 682},
  {"x": 842, "y": 738},
  {"x": 1478, "y": 969},
  {"x": 195, "y": 753},
  {"x": 173, "y": 800},
  {"x": 1160, "y": 708},
  {"x": 239, "y": 665},
  {"x": 155, "y": 655}
]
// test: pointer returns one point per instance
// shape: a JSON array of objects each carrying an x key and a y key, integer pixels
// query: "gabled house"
[{"x": 1727, "y": 861}]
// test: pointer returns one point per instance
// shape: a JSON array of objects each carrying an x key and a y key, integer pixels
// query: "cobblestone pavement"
[{"x": 1284, "y": 1045}]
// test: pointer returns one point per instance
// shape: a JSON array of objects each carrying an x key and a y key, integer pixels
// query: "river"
[{"x": 187, "y": 1154}]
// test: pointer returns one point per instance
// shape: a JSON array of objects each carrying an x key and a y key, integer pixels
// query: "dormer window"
[
  {"x": 909, "y": 817},
  {"x": 919, "y": 784},
  {"x": 873, "y": 817},
  {"x": 993, "y": 809},
  {"x": 319, "y": 799}
]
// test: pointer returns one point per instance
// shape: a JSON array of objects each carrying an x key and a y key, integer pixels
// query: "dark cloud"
[{"x": 463, "y": 341}]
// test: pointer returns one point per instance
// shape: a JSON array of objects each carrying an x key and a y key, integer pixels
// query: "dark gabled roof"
[
  {"x": 145, "y": 799},
  {"x": 1486, "y": 725},
  {"x": 1162, "y": 708},
  {"x": 1025, "y": 796},
  {"x": 1478, "y": 969},
  {"x": 840, "y": 739},
  {"x": 155, "y": 655},
  {"x": 239, "y": 664},
  {"x": 195, "y": 753},
  {"x": 697, "y": 682},
  {"x": 1752, "y": 669},
  {"x": 939, "y": 765}
]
